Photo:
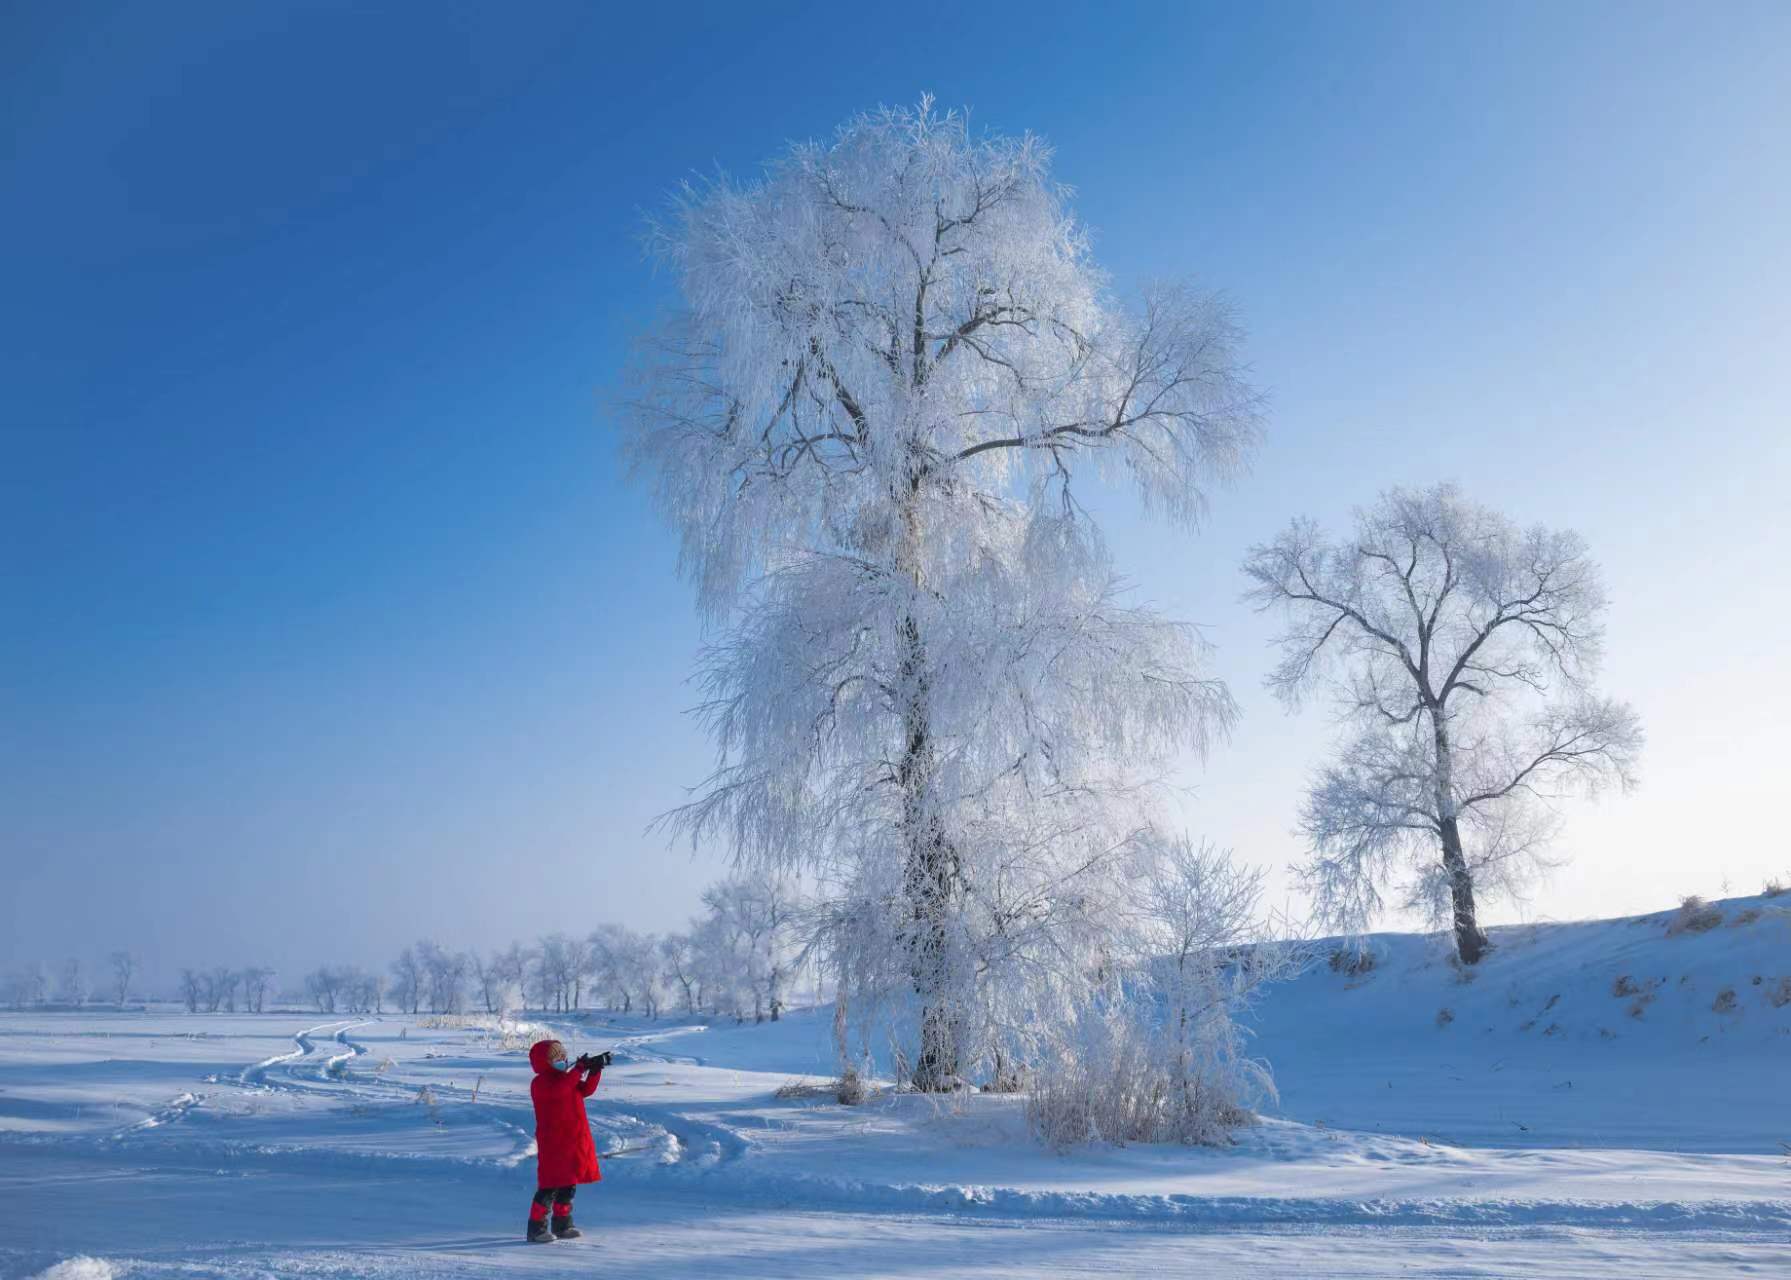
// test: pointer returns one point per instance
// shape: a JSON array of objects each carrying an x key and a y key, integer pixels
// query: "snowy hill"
[{"x": 1665, "y": 1031}]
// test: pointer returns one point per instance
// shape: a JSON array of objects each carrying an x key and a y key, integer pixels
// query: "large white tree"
[
  {"x": 1462, "y": 651},
  {"x": 894, "y": 362}
]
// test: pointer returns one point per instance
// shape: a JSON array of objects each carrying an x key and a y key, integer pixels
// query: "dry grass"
[
  {"x": 1725, "y": 1001},
  {"x": 1694, "y": 916},
  {"x": 804, "y": 1090},
  {"x": 1445, "y": 1017},
  {"x": 1780, "y": 995},
  {"x": 1352, "y": 961}
]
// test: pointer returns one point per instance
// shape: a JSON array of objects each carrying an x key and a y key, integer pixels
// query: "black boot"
[
  {"x": 563, "y": 1228},
  {"x": 539, "y": 1232}
]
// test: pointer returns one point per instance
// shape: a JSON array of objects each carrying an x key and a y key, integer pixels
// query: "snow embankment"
[{"x": 1669, "y": 1031}]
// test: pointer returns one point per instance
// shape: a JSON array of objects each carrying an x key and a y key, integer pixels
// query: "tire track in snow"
[{"x": 254, "y": 1076}]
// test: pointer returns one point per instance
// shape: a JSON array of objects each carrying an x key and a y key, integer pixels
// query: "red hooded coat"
[{"x": 564, "y": 1151}]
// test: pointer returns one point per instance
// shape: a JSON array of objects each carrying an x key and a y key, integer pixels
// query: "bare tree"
[
  {"x": 1463, "y": 651},
  {"x": 221, "y": 987},
  {"x": 192, "y": 989},
  {"x": 895, "y": 359},
  {"x": 255, "y": 984},
  {"x": 124, "y": 968},
  {"x": 325, "y": 985}
]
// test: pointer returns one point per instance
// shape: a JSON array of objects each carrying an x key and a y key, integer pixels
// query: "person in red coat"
[{"x": 564, "y": 1153}]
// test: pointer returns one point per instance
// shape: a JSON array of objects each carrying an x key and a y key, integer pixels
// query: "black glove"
[
  {"x": 602, "y": 1060},
  {"x": 585, "y": 1062}
]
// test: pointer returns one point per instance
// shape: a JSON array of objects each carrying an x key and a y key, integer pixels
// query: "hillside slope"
[{"x": 1669, "y": 1031}]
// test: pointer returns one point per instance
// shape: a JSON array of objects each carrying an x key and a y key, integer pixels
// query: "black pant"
[{"x": 558, "y": 1195}]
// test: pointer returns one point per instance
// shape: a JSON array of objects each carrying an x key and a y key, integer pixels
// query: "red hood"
[{"x": 541, "y": 1056}]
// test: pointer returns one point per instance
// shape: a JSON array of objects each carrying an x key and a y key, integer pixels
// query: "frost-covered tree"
[
  {"x": 407, "y": 980},
  {"x": 71, "y": 985},
  {"x": 1461, "y": 649},
  {"x": 719, "y": 966},
  {"x": 1206, "y": 958},
  {"x": 488, "y": 977},
  {"x": 124, "y": 968},
  {"x": 678, "y": 960},
  {"x": 444, "y": 973},
  {"x": 757, "y": 916},
  {"x": 29, "y": 986},
  {"x": 510, "y": 967},
  {"x": 192, "y": 989},
  {"x": 1158, "y": 1055},
  {"x": 557, "y": 958},
  {"x": 895, "y": 361}
]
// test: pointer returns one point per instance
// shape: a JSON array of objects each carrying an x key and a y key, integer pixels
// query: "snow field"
[{"x": 1548, "y": 1127}]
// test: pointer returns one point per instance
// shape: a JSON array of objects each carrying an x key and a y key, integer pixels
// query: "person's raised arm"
[{"x": 594, "y": 1066}]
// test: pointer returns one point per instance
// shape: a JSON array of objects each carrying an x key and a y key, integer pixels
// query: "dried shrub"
[
  {"x": 1445, "y": 1016},
  {"x": 1746, "y": 917},
  {"x": 1725, "y": 1001},
  {"x": 850, "y": 1089},
  {"x": 1353, "y": 961},
  {"x": 1779, "y": 996},
  {"x": 1694, "y": 916},
  {"x": 802, "y": 1090}
]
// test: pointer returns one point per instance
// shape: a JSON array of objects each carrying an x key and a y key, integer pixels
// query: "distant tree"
[
  {"x": 325, "y": 987},
  {"x": 636, "y": 961},
  {"x": 722, "y": 966},
  {"x": 608, "y": 965},
  {"x": 124, "y": 967},
  {"x": 192, "y": 989},
  {"x": 756, "y": 914},
  {"x": 221, "y": 987},
  {"x": 558, "y": 958},
  {"x": 27, "y": 986},
  {"x": 255, "y": 984},
  {"x": 71, "y": 988},
  {"x": 407, "y": 980},
  {"x": 677, "y": 956},
  {"x": 488, "y": 979},
  {"x": 1461, "y": 650},
  {"x": 444, "y": 972},
  {"x": 510, "y": 966},
  {"x": 361, "y": 992}
]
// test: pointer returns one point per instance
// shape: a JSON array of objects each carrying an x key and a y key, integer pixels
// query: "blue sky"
[{"x": 331, "y": 620}]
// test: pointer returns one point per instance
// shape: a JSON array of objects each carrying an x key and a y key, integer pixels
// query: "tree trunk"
[
  {"x": 1470, "y": 939},
  {"x": 930, "y": 880},
  {"x": 930, "y": 876}
]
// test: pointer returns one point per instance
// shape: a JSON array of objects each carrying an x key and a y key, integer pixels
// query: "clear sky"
[{"x": 329, "y": 620}]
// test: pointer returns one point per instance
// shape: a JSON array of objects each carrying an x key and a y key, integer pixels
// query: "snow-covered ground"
[{"x": 1548, "y": 1126}]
